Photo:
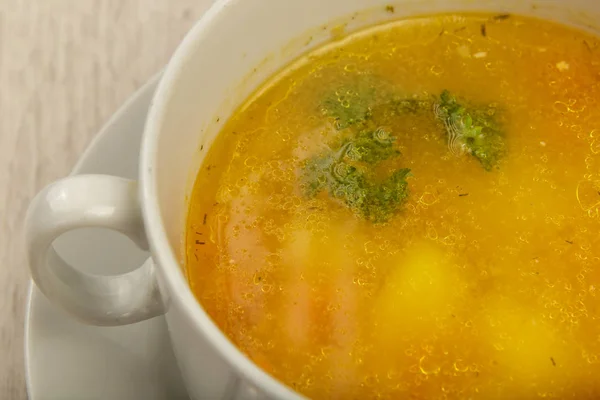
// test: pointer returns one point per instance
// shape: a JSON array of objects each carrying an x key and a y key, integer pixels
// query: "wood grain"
[{"x": 65, "y": 67}]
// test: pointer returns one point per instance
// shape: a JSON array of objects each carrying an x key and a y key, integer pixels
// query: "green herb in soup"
[
  {"x": 470, "y": 129},
  {"x": 347, "y": 173},
  {"x": 413, "y": 213},
  {"x": 349, "y": 105}
]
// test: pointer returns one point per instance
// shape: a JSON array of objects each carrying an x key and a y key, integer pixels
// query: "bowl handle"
[{"x": 84, "y": 201}]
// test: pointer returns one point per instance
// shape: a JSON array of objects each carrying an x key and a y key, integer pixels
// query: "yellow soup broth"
[{"x": 473, "y": 276}]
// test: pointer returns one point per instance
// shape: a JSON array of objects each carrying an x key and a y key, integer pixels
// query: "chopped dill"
[
  {"x": 346, "y": 173},
  {"x": 347, "y": 170},
  {"x": 472, "y": 130}
]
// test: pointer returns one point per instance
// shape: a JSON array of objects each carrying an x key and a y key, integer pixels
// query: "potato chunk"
[
  {"x": 422, "y": 288},
  {"x": 529, "y": 350}
]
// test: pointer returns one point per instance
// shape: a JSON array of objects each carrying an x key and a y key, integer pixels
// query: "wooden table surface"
[{"x": 65, "y": 67}]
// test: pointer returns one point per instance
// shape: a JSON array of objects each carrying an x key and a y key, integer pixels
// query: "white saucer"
[{"x": 66, "y": 360}]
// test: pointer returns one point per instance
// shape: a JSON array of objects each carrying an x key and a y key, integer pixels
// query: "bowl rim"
[{"x": 162, "y": 253}]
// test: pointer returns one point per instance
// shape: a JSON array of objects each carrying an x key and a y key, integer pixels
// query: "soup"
[{"x": 412, "y": 212}]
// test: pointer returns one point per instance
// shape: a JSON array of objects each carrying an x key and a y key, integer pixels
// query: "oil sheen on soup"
[{"x": 413, "y": 212}]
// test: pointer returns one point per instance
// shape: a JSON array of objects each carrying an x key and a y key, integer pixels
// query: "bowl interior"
[{"x": 235, "y": 47}]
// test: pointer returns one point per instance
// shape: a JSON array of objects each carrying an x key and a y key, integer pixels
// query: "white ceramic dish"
[
  {"x": 68, "y": 360},
  {"x": 229, "y": 53}
]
